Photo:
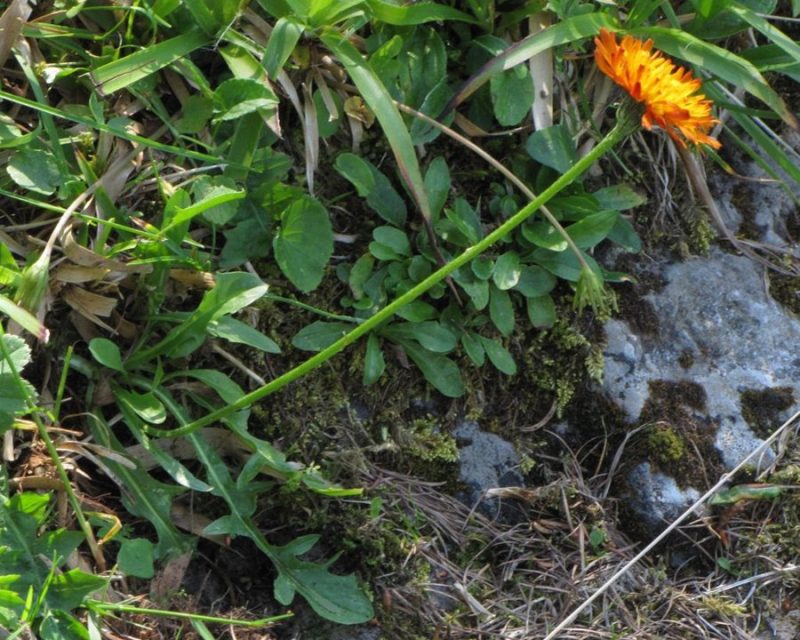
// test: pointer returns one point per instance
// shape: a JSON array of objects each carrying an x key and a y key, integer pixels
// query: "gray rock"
[
  {"x": 486, "y": 462},
  {"x": 657, "y": 497},
  {"x": 716, "y": 316},
  {"x": 717, "y": 329}
]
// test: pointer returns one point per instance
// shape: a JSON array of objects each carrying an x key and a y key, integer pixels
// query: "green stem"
[{"x": 621, "y": 129}]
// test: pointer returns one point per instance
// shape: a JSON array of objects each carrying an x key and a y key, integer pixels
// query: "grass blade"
[
  {"x": 569, "y": 30},
  {"x": 124, "y": 72},
  {"x": 377, "y": 97}
]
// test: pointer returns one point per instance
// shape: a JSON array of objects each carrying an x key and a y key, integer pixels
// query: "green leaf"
[
  {"x": 564, "y": 32},
  {"x": 433, "y": 336},
  {"x": 68, "y": 590},
  {"x": 16, "y": 355},
  {"x": 145, "y": 405},
  {"x": 124, "y": 72},
  {"x": 473, "y": 346},
  {"x": 499, "y": 356},
  {"x": 618, "y": 197},
  {"x": 35, "y": 170},
  {"x": 542, "y": 312},
  {"x": 380, "y": 101},
  {"x": 512, "y": 95},
  {"x": 545, "y": 235},
  {"x": 563, "y": 264},
  {"x": 553, "y": 147},
  {"x": 507, "y": 271},
  {"x": 417, "y": 311},
  {"x": 320, "y": 334},
  {"x": 236, "y": 331},
  {"x": 135, "y": 558},
  {"x": 237, "y": 97},
  {"x": 437, "y": 184},
  {"x": 501, "y": 311},
  {"x": 282, "y": 41},
  {"x": 372, "y": 184},
  {"x": 374, "y": 363},
  {"x": 441, "y": 372},
  {"x": 592, "y": 229},
  {"x": 535, "y": 281},
  {"x": 304, "y": 243},
  {"x": 417, "y": 13},
  {"x": 232, "y": 292},
  {"x": 625, "y": 235},
  {"x": 393, "y": 238},
  {"x": 216, "y": 197},
  {"x": 106, "y": 353},
  {"x": 197, "y": 111},
  {"x": 466, "y": 220},
  {"x": 358, "y": 171}
]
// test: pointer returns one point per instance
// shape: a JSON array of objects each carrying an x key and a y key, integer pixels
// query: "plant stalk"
[{"x": 620, "y": 130}]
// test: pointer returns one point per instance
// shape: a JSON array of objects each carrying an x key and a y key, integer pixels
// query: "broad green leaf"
[
  {"x": 545, "y": 235},
  {"x": 535, "y": 281},
  {"x": 507, "y": 270},
  {"x": 16, "y": 354},
  {"x": 592, "y": 229},
  {"x": 625, "y": 235},
  {"x": 499, "y": 356},
  {"x": 374, "y": 364},
  {"x": 466, "y": 220},
  {"x": 282, "y": 41},
  {"x": 135, "y": 558},
  {"x": 441, "y": 372},
  {"x": 236, "y": 331},
  {"x": 373, "y": 185},
  {"x": 618, "y": 197},
  {"x": 437, "y": 184},
  {"x": 68, "y": 590},
  {"x": 553, "y": 147},
  {"x": 106, "y": 353},
  {"x": 433, "y": 336},
  {"x": 417, "y": 311},
  {"x": 34, "y": 170},
  {"x": 473, "y": 346},
  {"x": 477, "y": 290},
  {"x": 512, "y": 95},
  {"x": 563, "y": 264},
  {"x": 145, "y": 405},
  {"x": 215, "y": 197},
  {"x": 320, "y": 334},
  {"x": 774, "y": 34},
  {"x": 501, "y": 311},
  {"x": 358, "y": 171},
  {"x": 304, "y": 243},
  {"x": 197, "y": 111},
  {"x": 123, "y": 72},
  {"x": 542, "y": 312},
  {"x": 393, "y": 238},
  {"x": 237, "y": 97}
]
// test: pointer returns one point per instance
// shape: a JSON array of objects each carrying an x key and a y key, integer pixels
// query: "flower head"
[{"x": 669, "y": 93}]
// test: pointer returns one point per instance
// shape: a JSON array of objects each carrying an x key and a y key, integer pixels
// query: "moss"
[
  {"x": 681, "y": 442},
  {"x": 700, "y": 233},
  {"x": 428, "y": 443},
  {"x": 762, "y": 409},
  {"x": 786, "y": 291},
  {"x": 742, "y": 199},
  {"x": 665, "y": 444}
]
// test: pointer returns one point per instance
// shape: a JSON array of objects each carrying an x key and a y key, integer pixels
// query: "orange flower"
[{"x": 669, "y": 93}]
